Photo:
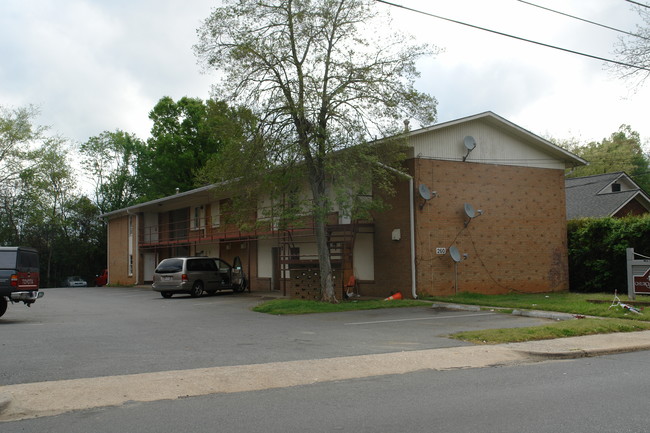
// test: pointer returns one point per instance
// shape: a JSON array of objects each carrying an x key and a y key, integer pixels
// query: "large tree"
[
  {"x": 322, "y": 78},
  {"x": 185, "y": 134},
  {"x": 621, "y": 151},
  {"x": 111, "y": 161},
  {"x": 19, "y": 137},
  {"x": 39, "y": 204}
]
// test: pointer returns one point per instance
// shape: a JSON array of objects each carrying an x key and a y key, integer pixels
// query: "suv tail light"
[
  {"x": 184, "y": 277},
  {"x": 14, "y": 280}
]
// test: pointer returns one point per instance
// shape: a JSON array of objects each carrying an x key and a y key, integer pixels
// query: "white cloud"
[{"x": 95, "y": 65}]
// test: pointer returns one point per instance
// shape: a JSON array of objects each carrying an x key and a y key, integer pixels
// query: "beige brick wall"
[
  {"x": 518, "y": 244},
  {"x": 118, "y": 256}
]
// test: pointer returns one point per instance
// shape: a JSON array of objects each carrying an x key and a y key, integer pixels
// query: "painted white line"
[{"x": 420, "y": 318}]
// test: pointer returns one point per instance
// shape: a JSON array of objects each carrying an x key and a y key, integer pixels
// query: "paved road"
[
  {"x": 92, "y": 332},
  {"x": 589, "y": 395}
]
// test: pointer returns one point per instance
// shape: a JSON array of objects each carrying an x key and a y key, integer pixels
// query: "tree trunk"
[
  {"x": 326, "y": 280},
  {"x": 319, "y": 191}
]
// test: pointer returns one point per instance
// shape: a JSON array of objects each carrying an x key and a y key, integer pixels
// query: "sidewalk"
[{"x": 31, "y": 400}]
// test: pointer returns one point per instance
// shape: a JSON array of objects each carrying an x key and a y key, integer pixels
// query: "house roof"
[
  {"x": 208, "y": 193},
  {"x": 197, "y": 196},
  {"x": 523, "y": 135},
  {"x": 592, "y": 196}
]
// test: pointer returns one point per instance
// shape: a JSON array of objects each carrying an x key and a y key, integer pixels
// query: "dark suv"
[
  {"x": 195, "y": 275},
  {"x": 19, "y": 276}
]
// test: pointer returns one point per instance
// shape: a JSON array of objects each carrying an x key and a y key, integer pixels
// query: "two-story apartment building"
[{"x": 481, "y": 208}]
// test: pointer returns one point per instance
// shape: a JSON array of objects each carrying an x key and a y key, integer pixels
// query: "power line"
[
  {"x": 629, "y": 65},
  {"x": 585, "y": 20},
  {"x": 638, "y": 4}
]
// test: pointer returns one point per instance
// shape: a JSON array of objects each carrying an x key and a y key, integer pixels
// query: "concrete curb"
[
  {"x": 544, "y": 314},
  {"x": 526, "y": 313},
  {"x": 460, "y": 307},
  {"x": 5, "y": 401},
  {"x": 581, "y": 353},
  {"x": 584, "y": 346}
]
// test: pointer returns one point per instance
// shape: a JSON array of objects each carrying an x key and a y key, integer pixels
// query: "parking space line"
[
  {"x": 419, "y": 318},
  {"x": 216, "y": 301}
]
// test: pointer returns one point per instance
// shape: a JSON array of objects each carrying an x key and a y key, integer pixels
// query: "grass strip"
[
  {"x": 568, "y": 328},
  {"x": 572, "y": 303},
  {"x": 301, "y": 306}
]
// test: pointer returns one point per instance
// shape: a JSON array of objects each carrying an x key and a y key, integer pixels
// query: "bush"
[{"x": 597, "y": 248}]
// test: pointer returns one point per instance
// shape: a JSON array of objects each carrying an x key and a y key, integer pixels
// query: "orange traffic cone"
[{"x": 394, "y": 297}]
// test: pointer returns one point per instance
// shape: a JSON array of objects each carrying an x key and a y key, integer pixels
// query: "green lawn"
[
  {"x": 300, "y": 306},
  {"x": 614, "y": 319},
  {"x": 565, "y": 328},
  {"x": 573, "y": 303}
]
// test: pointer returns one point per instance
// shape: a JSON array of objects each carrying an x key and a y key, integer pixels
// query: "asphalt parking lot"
[{"x": 92, "y": 332}]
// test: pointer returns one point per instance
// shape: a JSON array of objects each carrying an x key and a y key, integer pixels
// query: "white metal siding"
[{"x": 493, "y": 146}]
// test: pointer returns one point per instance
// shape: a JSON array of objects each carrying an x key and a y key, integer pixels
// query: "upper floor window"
[
  {"x": 198, "y": 218},
  {"x": 215, "y": 214}
]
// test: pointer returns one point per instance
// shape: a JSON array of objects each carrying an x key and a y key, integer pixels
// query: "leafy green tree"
[
  {"x": 80, "y": 247},
  {"x": 51, "y": 184},
  {"x": 111, "y": 160},
  {"x": 17, "y": 137},
  {"x": 39, "y": 204},
  {"x": 622, "y": 151},
  {"x": 322, "y": 79},
  {"x": 34, "y": 171},
  {"x": 185, "y": 134}
]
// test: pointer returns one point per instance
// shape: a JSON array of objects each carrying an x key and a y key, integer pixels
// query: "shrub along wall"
[{"x": 597, "y": 251}]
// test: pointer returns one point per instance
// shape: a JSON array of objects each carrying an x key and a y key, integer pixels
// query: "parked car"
[
  {"x": 102, "y": 278},
  {"x": 19, "y": 276},
  {"x": 75, "y": 281},
  {"x": 195, "y": 275}
]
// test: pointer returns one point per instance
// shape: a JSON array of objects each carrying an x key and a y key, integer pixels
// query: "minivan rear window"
[{"x": 169, "y": 266}]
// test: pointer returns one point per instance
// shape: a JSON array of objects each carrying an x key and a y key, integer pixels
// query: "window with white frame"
[
  {"x": 215, "y": 214},
  {"x": 198, "y": 218}
]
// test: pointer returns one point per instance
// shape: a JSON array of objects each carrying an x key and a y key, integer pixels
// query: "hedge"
[{"x": 597, "y": 247}]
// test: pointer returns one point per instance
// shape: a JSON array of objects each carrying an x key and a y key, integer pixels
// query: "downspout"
[
  {"x": 412, "y": 217},
  {"x": 136, "y": 249},
  {"x": 108, "y": 251},
  {"x": 412, "y": 222}
]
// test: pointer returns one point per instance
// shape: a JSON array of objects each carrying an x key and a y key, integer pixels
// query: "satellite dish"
[
  {"x": 425, "y": 192},
  {"x": 455, "y": 254},
  {"x": 469, "y": 210},
  {"x": 470, "y": 143}
]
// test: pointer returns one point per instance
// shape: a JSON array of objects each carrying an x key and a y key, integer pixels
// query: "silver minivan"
[{"x": 195, "y": 275}]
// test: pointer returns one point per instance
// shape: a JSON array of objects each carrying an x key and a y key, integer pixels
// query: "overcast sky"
[{"x": 96, "y": 65}]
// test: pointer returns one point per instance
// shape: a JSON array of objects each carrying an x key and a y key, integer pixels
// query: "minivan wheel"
[
  {"x": 3, "y": 305},
  {"x": 166, "y": 295},
  {"x": 197, "y": 289}
]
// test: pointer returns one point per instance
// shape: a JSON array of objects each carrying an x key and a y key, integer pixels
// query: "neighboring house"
[
  {"x": 605, "y": 195},
  {"x": 508, "y": 179}
]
